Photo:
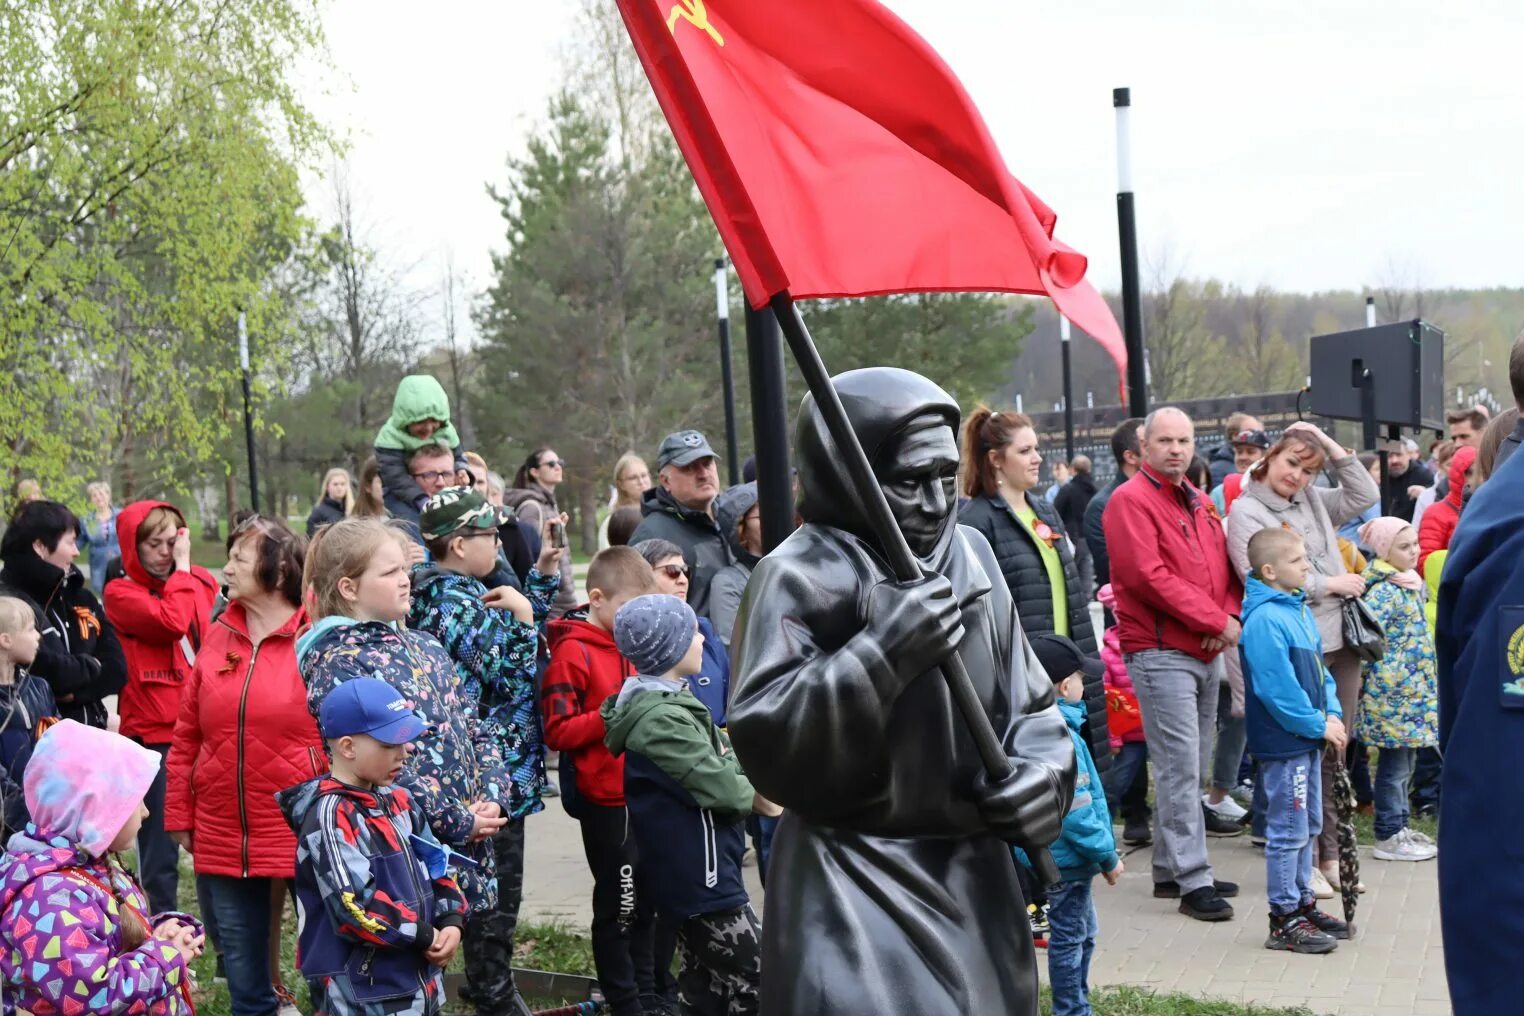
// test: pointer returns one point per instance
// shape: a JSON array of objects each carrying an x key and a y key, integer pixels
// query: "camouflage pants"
[{"x": 721, "y": 963}]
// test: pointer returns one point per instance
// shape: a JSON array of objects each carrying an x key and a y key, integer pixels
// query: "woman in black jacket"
[
  {"x": 336, "y": 502},
  {"x": 1001, "y": 464}
]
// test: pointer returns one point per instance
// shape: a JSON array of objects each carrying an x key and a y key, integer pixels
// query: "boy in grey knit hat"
[{"x": 687, "y": 799}]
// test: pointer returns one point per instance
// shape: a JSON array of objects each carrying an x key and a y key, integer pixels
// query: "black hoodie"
[{"x": 80, "y": 657}]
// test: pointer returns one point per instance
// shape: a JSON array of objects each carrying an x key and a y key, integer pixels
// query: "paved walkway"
[{"x": 1395, "y": 966}]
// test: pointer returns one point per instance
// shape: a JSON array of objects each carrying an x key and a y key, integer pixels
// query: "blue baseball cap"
[{"x": 368, "y": 705}]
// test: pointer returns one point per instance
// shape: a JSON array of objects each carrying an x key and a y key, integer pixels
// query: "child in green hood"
[{"x": 420, "y": 416}]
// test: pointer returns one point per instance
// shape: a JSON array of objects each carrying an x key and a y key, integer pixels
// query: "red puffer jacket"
[
  {"x": 160, "y": 623},
  {"x": 244, "y": 733}
]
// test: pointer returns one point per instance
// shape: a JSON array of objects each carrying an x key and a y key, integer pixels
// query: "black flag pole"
[{"x": 997, "y": 764}]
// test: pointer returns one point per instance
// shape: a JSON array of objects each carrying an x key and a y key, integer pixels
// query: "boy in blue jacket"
[
  {"x": 1086, "y": 848},
  {"x": 1291, "y": 708}
]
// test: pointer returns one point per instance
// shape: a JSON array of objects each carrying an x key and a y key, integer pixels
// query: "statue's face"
[{"x": 920, "y": 480}]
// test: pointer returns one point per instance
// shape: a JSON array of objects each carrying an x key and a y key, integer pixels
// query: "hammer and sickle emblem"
[{"x": 693, "y": 12}]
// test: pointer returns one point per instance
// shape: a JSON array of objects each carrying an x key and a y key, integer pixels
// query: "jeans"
[
  {"x": 1425, "y": 785},
  {"x": 1072, "y": 928},
  {"x": 1293, "y": 817},
  {"x": 1357, "y": 761},
  {"x": 1126, "y": 783},
  {"x": 241, "y": 908},
  {"x": 1178, "y": 694},
  {"x": 158, "y": 854},
  {"x": 1394, "y": 771},
  {"x": 1232, "y": 736},
  {"x": 764, "y": 841},
  {"x": 624, "y": 924},
  {"x": 1259, "y": 804}
]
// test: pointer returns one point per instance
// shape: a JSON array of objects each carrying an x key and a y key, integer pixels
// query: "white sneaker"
[
  {"x": 1403, "y": 848},
  {"x": 1320, "y": 887},
  {"x": 1414, "y": 836},
  {"x": 1226, "y": 808}
]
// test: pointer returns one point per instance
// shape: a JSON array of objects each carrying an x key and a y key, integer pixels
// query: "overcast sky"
[{"x": 1307, "y": 146}]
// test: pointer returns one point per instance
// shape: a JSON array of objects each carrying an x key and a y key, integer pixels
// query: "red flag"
[{"x": 839, "y": 156}]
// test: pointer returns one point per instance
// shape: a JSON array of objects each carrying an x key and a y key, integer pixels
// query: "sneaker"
[
  {"x": 1038, "y": 916},
  {"x": 1331, "y": 876},
  {"x": 286, "y": 1002},
  {"x": 1171, "y": 890},
  {"x": 1205, "y": 905},
  {"x": 1217, "y": 825},
  {"x": 1320, "y": 887},
  {"x": 1403, "y": 848},
  {"x": 1258, "y": 841},
  {"x": 1295, "y": 933},
  {"x": 1138, "y": 835},
  {"x": 550, "y": 790},
  {"x": 1328, "y": 924},
  {"x": 1243, "y": 793},
  {"x": 1418, "y": 837},
  {"x": 1226, "y": 808}
]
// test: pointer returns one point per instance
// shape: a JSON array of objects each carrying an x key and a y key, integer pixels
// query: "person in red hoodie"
[
  {"x": 1439, "y": 522},
  {"x": 1177, "y": 598},
  {"x": 586, "y": 668},
  {"x": 243, "y": 734},
  {"x": 161, "y": 609}
]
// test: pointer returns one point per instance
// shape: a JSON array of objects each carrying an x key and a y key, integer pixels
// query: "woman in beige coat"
[{"x": 1277, "y": 493}]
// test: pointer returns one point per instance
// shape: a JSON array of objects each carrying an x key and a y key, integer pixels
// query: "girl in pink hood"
[{"x": 75, "y": 937}]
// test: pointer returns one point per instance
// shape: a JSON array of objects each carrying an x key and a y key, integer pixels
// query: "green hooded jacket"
[
  {"x": 419, "y": 397},
  {"x": 672, "y": 729}
]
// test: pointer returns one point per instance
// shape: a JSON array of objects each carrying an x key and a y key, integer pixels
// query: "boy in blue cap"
[
  {"x": 1086, "y": 848},
  {"x": 380, "y": 915}
]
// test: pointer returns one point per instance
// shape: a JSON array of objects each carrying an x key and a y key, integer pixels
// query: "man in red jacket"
[
  {"x": 1176, "y": 601},
  {"x": 160, "y": 610}
]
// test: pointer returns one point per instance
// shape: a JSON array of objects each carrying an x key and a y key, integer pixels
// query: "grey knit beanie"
[{"x": 654, "y": 632}]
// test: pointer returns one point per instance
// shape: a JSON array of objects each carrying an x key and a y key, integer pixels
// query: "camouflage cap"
[{"x": 456, "y": 508}]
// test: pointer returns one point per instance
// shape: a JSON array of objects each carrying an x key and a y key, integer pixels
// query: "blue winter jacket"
[
  {"x": 25, "y": 708},
  {"x": 1288, "y": 692},
  {"x": 1087, "y": 846},
  {"x": 711, "y": 685}
]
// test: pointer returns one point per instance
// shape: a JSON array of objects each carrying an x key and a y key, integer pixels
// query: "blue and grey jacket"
[
  {"x": 1087, "y": 846},
  {"x": 1288, "y": 692}
]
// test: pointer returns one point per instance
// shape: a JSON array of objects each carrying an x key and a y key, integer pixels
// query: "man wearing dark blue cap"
[
  {"x": 371, "y": 877},
  {"x": 681, "y": 509}
]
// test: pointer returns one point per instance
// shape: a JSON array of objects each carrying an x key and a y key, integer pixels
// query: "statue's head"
[{"x": 908, "y": 428}]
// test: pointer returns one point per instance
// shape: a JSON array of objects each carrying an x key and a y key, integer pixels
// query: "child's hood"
[
  {"x": 298, "y": 801},
  {"x": 83, "y": 785},
  {"x": 433, "y": 582},
  {"x": 127, "y": 523},
  {"x": 577, "y": 629},
  {"x": 335, "y": 631},
  {"x": 419, "y": 397},
  {"x": 1074, "y": 714},
  {"x": 640, "y": 696},
  {"x": 1259, "y": 594}
]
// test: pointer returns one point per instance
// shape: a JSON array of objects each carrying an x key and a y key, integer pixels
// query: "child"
[
  {"x": 76, "y": 935},
  {"x": 688, "y": 801},
  {"x": 1399, "y": 707},
  {"x": 1126, "y": 784},
  {"x": 585, "y": 669},
  {"x": 380, "y": 916},
  {"x": 359, "y": 591},
  {"x": 1291, "y": 707},
  {"x": 420, "y": 416},
  {"x": 1085, "y": 849},
  {"x": 26, "y": 707},
  {"x": 493, "y": 638}
]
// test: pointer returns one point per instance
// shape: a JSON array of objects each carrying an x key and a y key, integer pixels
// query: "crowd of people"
[{"x": 365, "y": 719}]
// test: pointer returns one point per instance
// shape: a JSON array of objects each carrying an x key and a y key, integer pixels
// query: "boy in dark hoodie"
[
  {"x": 26, "y": 708},
  {"x": 420, "y": 416},
  {"x": 1086, "y": 848},
  {"x": 380, "y": 915},
  {"x": 492, "y": 636},
  {"x": 1291, "y": 707},
  {"x": 585, "y": 669},
  {"x": 688, "y": 800}
]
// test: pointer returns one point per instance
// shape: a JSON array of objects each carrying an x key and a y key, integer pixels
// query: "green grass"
[{"x": 1140, "y": 1002}]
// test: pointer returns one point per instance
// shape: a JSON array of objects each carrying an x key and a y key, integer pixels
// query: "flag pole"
[
  {"x": 997, "y": 765},
  {"x": 1127, "y": 233},
  {"x": 1063, "y": 336},
  {"x": 769, "y": 424},
  {"x": 722, "y": 309}
]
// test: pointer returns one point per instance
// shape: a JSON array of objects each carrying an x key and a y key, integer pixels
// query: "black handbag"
[{"x": 1363, "y": 634}]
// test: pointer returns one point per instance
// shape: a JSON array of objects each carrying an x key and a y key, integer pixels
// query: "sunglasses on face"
[
  {"x": 673, "y": 571},
  {"x": 553, "y": 464}
]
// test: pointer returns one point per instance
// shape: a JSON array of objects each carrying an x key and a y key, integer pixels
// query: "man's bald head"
[{"x": 1169, "y": 442}]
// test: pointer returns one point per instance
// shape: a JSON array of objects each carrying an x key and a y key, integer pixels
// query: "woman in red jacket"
[
  {"x": 1439, "y": 522},
  {"x": 244, "y": 733},
  {"x": 160, "y": 610}
]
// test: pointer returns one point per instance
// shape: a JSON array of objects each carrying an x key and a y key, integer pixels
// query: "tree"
[{"x": 123, "y": 260}]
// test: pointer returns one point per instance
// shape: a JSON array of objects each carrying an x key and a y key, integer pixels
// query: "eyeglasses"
[
  {"x": 673, "y": 571},
  {"x": 435, "y": 474},
  {"x": 479, "y": 532},
  {"x": 552, "y": 464}
]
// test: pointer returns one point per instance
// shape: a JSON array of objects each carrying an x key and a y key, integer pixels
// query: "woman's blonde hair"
[
  {"x": 626, "y": 460},
  {"x": 99, "y": 485},
  {"x": 368, "y": 506},
  {"x": 156, "y": 519},
  {"x": 343, "y": 551},
  {"x": 349, "y": 493}
]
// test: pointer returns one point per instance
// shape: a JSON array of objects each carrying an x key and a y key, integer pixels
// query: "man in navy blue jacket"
[{"x": 1480, "y": 646}]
